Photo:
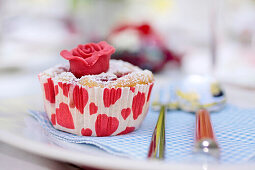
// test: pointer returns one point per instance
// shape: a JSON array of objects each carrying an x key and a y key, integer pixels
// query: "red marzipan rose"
[{"x": 87, "y": 59}]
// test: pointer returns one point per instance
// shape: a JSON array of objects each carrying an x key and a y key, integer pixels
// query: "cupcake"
[{"x": 93, "y": 95}]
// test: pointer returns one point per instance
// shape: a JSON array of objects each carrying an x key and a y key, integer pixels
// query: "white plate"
[{"x": 18, "y": 129}]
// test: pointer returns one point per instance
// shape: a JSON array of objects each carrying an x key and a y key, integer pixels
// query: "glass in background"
[
  {"x": 236, "y": 41},
  {"x": 33, "y": 32}
]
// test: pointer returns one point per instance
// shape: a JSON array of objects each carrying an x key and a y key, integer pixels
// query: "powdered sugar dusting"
[
  {"x": 120, "y": 74},
  {"x": 54, "y": 71},
  {"x": 119, "y": 66},
  {"x": 65, "y": 77},
  {"x": 138, "y": 77}
]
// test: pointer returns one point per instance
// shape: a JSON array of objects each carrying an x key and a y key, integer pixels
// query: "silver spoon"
[{"x": 202, "y": 95}]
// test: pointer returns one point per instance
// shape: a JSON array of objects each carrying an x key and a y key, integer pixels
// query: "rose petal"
[
  {"x": 82, "y": 60},
  {"x": 106, "y": 48},
  {"x": 83, "y": 54},
  {"x": 93, "y": 59},
  {"x": 88, "y": 49},
  {"x": 67, "y": 55},
  {"x": 83, "y": 51},
  {"x": 80, "y": 46},
  {"x": 75, "y": 52},
  {"x": 102, "y": 44},
  {"x": 96, "y": 47}
]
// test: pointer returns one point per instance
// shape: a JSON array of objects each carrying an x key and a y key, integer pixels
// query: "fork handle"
[
  {"x": 157, "y": 144},
  {"x": 203, "y": 125},
  {"x": 205, "y": 139}
]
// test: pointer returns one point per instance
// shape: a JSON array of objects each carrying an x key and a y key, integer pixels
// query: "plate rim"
[{"x": 80, "y": 158}]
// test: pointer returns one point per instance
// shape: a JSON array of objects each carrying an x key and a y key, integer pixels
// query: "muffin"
[{"x": 96, "y": 96}]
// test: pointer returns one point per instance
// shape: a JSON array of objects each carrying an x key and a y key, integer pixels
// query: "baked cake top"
[{"x": 120, "y": 74}]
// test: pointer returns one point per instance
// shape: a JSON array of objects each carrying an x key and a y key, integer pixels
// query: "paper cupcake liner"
[{"x": 95, "y": 111}]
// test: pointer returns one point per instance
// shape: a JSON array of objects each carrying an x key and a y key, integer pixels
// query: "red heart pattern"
[
  {"x": 49, "y": 91},
  {"x": 111, "y": 96},
  {"x": 65, "y": 87},
  {"x": 132, "y": 89},
  {"x": 71, "y": 103},
  {"x": 80, "y": 98},
  {"x": 64, "y": 116},
  {"x": 125, "y": 113},
  {"x": 86, "y": 132},
  {"x": 127, "y": 130},
  {"x": 105, "y": 126},
  {"x": 92, "y": 108},
  {"x": 149, "y": 93},
  {"x": 56, "y": 90},
  {"x": 137, "y": 105},
  {"x": 53, "y": 119}
]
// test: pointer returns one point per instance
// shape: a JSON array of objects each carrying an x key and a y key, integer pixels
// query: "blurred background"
[{"x": 169, "y": 37}]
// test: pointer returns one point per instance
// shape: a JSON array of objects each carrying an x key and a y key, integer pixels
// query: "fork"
[{"x": 157, "y": 144}]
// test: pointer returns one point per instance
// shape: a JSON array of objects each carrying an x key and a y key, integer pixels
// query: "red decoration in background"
[
  {"x": 143, "y": 29},
  {"x": 86, "y": 132},
  {"x": 154, "y": 53},
  {"x": 65, "y": 87},
  {"x": 64, "y": 116},
  {"x": 125, "y": 113},
  {"x": 87, "y": 59},
  {"x": 105, "y": 126},
  {"x": 92, "y": 108},
  {"x": 110, "y": 96},
  {"x": 80, "y": 98},
  {"x": 49, "y": 91},
  {"x": 127, "y": 130},
  {"x": 137, "y": 105}
]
